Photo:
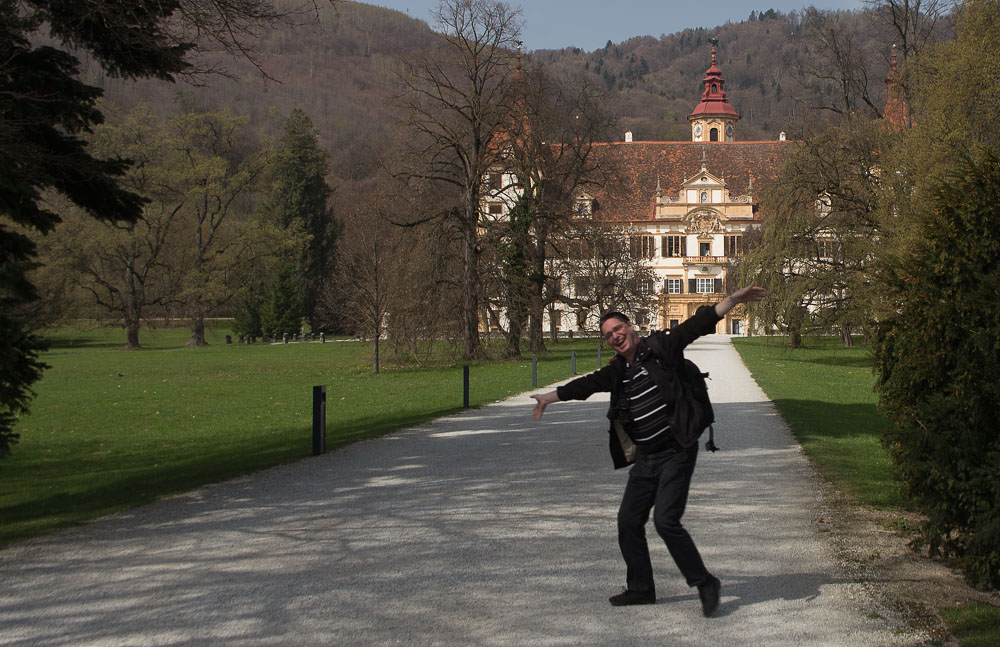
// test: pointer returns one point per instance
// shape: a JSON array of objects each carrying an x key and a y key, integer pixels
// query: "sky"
[{"x": 589, "y": 24}]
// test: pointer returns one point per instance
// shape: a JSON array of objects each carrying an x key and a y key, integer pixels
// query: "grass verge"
[
  {"x": 111, "y": 429},
  {"x": 974, "y": 625}
]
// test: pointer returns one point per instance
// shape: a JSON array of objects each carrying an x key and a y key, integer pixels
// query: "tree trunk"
[
  {"x": 536, "y": 333},
  {"x": 470, "y": 297},
  {"x": 515, "y": 328},
  {"x": 132, "y": 335},
  {"x": 133, "y": 311},
  {"x": 796, "y": 317},
  {"x": 375, "y": 352},
  {"x": 197, "y": 331},
  {"x": 845, "y": 336}
]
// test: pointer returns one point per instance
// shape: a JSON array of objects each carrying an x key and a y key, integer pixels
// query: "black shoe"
[
  {"x": 709, "y": 594},
  {"x": 626, "y": 598}
]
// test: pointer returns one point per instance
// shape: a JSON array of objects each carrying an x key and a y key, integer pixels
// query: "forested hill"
[
  {"x": 339, "y": 69},
  {"x": 654, "y": 83},
  {"x": 341, "y": 72}
]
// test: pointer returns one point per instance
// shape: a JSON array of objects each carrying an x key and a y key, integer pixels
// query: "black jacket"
[{"x": 663, "y": 372}]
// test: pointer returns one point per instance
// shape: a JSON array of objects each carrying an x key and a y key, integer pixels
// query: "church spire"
[
  {"x": 713, "y": 118},
  {"x": 895, "y": 105}
]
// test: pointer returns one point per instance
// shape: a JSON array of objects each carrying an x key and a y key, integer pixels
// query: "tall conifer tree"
[{"x": 299, "y": 196}]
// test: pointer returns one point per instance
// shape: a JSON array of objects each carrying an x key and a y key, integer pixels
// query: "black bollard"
[
  {"x": 465, "y": 386},
  {"x": 572, "y": 361},
  {"x": 319, "y": 420}
]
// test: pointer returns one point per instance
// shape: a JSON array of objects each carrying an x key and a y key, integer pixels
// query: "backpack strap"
[{"x": 710, "y": 443}]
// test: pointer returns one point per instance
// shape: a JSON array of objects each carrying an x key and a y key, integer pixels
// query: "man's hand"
[
  {"x": 749, "y": 293},
  {"x": 743, "y": 295},
  {"x": 543, "y": 400}
]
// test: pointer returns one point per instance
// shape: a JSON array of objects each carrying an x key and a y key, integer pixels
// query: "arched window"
[{"x": 713, "y": 135}]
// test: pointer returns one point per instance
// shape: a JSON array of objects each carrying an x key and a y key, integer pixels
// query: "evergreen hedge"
[{"x": 938, "y": 362}]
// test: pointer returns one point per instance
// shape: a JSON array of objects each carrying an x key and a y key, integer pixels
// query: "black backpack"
[{"x": 693, "y": 411}]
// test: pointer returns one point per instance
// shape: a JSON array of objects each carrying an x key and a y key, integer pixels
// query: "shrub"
[{"x": 938, "y": 363}]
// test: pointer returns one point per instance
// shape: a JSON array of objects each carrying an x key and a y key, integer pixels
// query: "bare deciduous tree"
[
  {"x": 456, "y": 101},
  {"x": 552, "y": 133},
  {"x": 603, "y": 270},
  {"x": 913, "y": 22},
  {"x": 369, "y": 278}
]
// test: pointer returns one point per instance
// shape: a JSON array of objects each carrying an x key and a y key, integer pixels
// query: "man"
[{"x": 664, "y": 457}]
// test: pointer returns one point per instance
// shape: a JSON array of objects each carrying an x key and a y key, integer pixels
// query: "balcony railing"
[{"x": 705, "y": 260}]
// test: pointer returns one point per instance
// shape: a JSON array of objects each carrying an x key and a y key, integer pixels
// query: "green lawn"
[
  {"x": 111, "y": 429},
  {"x": 824, "y": 392},
  {"x": 974, "y": 625}
]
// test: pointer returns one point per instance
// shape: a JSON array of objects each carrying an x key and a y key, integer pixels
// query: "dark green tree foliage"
[
  {"x": 299, "y": 197},
  {"x": 44, "y": 112},
  {"x": 281, "y": 310},
  {"x": 938, "y": 364},
  {"x": 247, "y": 318}
]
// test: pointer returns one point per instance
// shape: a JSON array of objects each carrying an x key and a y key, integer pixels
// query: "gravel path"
[{"x": 483, "y": 528}]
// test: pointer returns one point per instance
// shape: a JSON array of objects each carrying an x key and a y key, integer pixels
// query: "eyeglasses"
[{"x": 617, "y": 329}]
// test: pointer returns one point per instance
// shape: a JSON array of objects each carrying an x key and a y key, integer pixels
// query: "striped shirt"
[{"x": 649, "y": 411}]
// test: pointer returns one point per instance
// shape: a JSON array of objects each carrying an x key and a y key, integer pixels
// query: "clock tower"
[{"x": 713, "y": 119}]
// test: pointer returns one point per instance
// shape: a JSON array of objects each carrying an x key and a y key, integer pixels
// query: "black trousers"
[{"x": 659, "y": 482}]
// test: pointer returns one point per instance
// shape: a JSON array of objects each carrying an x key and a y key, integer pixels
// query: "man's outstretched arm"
[{"x": 743, "y": 295}]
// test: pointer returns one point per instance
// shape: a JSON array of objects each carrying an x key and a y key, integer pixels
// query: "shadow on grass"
[
  {"x": 845, "y": 441},
  {"x": 862, "y": 361},
  {"x": 141, "y": 485}
]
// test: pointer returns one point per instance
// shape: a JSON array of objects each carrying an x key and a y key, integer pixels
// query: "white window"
[
  {"x": 705, "y": 286},
  {"x": 673, "y": 286}
]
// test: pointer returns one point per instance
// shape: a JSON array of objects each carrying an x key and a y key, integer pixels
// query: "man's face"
[{"x": 621, "y": 336}]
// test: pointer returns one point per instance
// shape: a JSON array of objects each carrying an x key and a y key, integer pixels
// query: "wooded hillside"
[{"x": 340, "y": 70}]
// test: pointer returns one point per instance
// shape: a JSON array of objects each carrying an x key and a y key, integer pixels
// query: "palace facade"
[{"x": 687, "y": 203}]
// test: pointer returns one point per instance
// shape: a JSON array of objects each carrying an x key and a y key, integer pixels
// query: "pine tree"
[
  {"x": 299, "y": 194},
  {"x": 44, "y": 112}
]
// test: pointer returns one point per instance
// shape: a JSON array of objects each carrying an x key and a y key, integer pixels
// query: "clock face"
[
  {"x": 697, "y": 130},
  {"x": 729, "y": 131}
]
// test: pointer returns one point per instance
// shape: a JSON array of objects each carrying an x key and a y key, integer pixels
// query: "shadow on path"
[{"x": 483, "y": 528}]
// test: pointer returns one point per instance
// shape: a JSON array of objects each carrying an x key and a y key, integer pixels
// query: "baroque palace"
[{"x": 688, "y": 205}]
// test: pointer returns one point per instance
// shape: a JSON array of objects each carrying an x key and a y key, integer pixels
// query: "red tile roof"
[{"x": 634, "y": 168}]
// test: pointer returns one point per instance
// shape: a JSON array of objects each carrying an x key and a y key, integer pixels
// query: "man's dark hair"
[{"x": 614, "y": 315}]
